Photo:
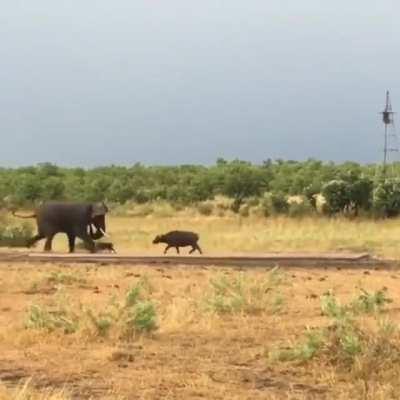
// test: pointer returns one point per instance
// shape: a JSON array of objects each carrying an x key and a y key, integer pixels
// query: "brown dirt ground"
[{"x": 193, "y": 355}]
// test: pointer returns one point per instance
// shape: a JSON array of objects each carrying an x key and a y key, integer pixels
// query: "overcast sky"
[{"x": 187, "y": 81}]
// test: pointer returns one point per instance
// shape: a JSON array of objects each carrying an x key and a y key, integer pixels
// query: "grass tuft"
[{"x": 242, "y": 294}]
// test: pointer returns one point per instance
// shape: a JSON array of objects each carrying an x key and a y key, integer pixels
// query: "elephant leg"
[
  {"x": 71, "y": 242},
  {"x": 49, "y": 240},
  {"x": 34, "y": 239}
]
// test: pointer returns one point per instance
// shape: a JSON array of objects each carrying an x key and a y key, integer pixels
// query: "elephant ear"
[{"x": 99, "y": 209}]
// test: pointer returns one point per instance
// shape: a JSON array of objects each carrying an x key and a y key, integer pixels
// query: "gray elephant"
[{"x": 73, "y": 219}]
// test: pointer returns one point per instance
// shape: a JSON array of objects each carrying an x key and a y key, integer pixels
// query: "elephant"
[{"x": 73, "y": 219}]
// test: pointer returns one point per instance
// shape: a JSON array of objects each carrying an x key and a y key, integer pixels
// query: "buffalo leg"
[
  {"x": 166, "y": 249},
  {"x": 177, "y": 249},
  {"x": 71, "y": 242},
  {"x": 49, "y": 240},
  {"x": 195, "y": 247}
]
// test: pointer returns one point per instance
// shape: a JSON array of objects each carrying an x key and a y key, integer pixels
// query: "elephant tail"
[{"x": 23, "y": 216}]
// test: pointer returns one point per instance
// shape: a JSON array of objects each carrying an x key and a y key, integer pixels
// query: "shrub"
[
  {"x": 351, "y": 193},
  {"x": 41, "y": 317},
  {"x": 386, "y": 198},
  {"x": 301, "y": 352},
  {"x": 279, "y": 203},
  {"x": 244, "y": 210},
  {"x": 300, "y": 209},
  {"x": 205, "y": 208},
  {"x": 133, "y": 316},
  {"x": 371, "y": 302},
  {"x": 275, "y": 203},
  {"x": 346, "y": 340},
  {"x": 244, "y": 295},
  {"x": 336, "y": 195},
  {"x": 15, "y": 235}
]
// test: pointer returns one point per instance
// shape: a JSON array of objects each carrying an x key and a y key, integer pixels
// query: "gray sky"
[{"x": 183, "y": 81}]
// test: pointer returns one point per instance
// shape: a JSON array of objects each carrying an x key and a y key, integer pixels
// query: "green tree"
[
  {"x": 242, "y": 180},
  {"x": 52, "y": 189}
]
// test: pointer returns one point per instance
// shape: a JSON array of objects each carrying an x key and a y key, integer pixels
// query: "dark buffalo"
[
  {"x": 179, "y": 239},
  {"x": 73, "y": 219}
]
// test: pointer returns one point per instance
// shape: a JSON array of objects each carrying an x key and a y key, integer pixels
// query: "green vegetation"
[
  {"x": 14, "y": 234},
  {"x": 347, "y": 341},
  {"x": 348, "y": 188},
  {"x": 135, "y": 315},
  {"x": 55, "y": 317},
  {"x": 244, "y": 295}
]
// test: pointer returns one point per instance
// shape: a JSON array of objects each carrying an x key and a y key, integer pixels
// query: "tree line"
[{"x": 347, "y": 187}]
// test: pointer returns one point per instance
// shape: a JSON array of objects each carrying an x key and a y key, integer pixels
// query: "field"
[
  {"x": 202, "y": 347},
  {"x": 235, "y": 234},
  {"x": 73, "y": 331}
]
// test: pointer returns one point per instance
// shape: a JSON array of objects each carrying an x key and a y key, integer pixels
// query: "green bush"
[
  {"x": 352, "y": 193},
  {"x": 205, "y": 208},
  {"x": 345, "y": 338},
  {"x": 245, "y": 295},
  {"x": 275, "y": 204},
  {"x": 300, "y": 209},
  {"x": 15, "y": 235},
  {"x": 135, "y": 315},
  {"x": 50, "y": 319},
  {"x": 349, "y": 185},
  {"x": 386, "y": 198},
  {"x": 244, "y": 210}
]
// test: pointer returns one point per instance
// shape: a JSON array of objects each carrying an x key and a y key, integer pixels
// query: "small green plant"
[
  {"x": 102, "y": 322},
  {"x": 365, "y": 303},
  {"x": 330, "y": 306},
  {"x": 139, "y": 318},
  {"x": 303, "y": 351},
  {"x": 135, "y": 315},
  {"x": 242, "y": 294},
  {"x": 371, "y": 302},
  {"x": 15, "y": 235},
  {"x": 41, "y": 317},
  {"x": 345, "y": 340}
]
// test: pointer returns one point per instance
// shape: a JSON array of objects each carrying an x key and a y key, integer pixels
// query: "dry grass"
[
  {"x": 234, "y": 234},
  {"x": 194, "y": 353}
]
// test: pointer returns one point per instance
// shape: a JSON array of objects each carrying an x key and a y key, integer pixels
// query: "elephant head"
[{"x": 97, "y": 219}]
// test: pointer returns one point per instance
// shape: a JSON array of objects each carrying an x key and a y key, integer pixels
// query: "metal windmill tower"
[{"x": 390, "y": 139}]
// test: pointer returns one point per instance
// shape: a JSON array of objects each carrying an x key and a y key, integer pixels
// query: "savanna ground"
[
  {"x": 208, "y": 343},
  {"x": 70, "y": 331}
]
